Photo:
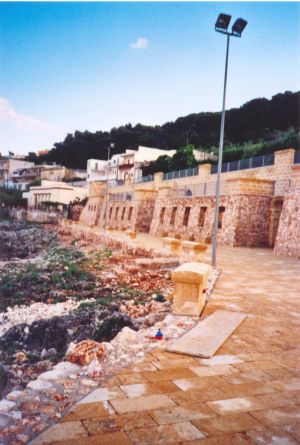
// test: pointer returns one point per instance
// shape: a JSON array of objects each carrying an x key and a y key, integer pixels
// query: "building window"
[
  {"x": 110, "y": 212},
  {"x": 186, "y": 216},
  {"x": 173, "y": 215},
  {"x": 130, "y": 213},
  {"x": 220, "y": 217},
  {"x": 117, "y": 211},
  {"x": 162, "y": 214},
  {"x": 202, "y": 216},
  {"x": 123, "y": 213},
  {"x": 96, "y": 165}
]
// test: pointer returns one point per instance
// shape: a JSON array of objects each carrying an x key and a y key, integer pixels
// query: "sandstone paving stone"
[
  {"x": 165, "y": 434},
  {"x": 213, "y": 370},
  {"x": 131, "y": 421},
  {"x": 233, "y": 423},
  {"x": 186, "y": 384},
  {"x": 131, "y": 378},
  {"x": 236, "y": 405},
  {"x": 143, "y": 389},
  {"x": 188, "y": 411},
  {"x": 60, "y": 432},
  {"x": 117, "y": 438},
  {"x": 281, "y": 373},
  {"x": 289, "y": 385},
  {"x": 88, "y": 411},
  {"x": 268, "y": 437},
  {"x": 228, "y": 439},
  {"x": 280, "y": 416},
  {"x": 139, "y": 367},
  {"x": 101, "y": 426},
  {"x": 259, "y": 365},
  {"x": 112, "y": 382},
  {"x": 293, "y": 430},
  {"x": 281, "y": 399},
  {"x": 169, "y": 374},
  {"x": 225, "y": 359},
  {"x": 203, "y": 395},
  {"x": 101, "y": 394},
  {"x": 245, "y": 389},
  {"x": 245, "y": 377},
  {"x": 179, "y": 363},
  {"x": 143, "y": 403}
]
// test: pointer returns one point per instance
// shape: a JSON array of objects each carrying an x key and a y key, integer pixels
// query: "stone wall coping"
[
  {"x": 286, "y": 150},
  {"x": 194, "y": 245},
  {"x": 252, "y": 179},
  {"x": 173, "y": 241}
]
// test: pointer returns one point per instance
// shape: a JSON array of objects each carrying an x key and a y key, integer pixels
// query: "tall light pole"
[
  {"x": 238, "y": 27},
  {"x": 111, "y": 146}
]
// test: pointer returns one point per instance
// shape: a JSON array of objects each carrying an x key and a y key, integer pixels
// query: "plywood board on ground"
[{"x": 208, "y": 335}]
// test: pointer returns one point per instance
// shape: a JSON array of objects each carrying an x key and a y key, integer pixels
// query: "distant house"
[
  {"x": 22, "y": 177},
  {"x": 128, "y": 165},
  {"x": 56, "y": 192},
  {"x": 8, "y": 167}
]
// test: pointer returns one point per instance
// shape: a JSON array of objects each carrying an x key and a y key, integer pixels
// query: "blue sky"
[{"x": 92, "y": 66}]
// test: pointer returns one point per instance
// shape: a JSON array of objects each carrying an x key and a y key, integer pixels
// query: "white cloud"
[
  {"x": 141, "y": 43},
  {"x": 21, "y": 121}
]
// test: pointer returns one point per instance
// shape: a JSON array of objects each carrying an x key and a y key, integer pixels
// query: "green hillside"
[{"x": 259, "y": 126}]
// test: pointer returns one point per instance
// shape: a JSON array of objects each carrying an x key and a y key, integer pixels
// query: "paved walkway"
[{"x": 248, "y": 393}]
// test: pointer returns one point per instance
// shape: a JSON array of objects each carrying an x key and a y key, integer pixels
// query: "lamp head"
[
  {"x": 222, "y": 23},
  {"x": 238, "y": 27}
]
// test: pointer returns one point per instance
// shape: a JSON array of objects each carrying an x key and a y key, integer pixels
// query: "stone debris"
[
  {"x": 141, "y": 310},
  {"x": 86, "y": 351},
  {"x": 19, "y": 239},
  {"x": 34, "y": 312},
  {"x": 97, "y": 336}
]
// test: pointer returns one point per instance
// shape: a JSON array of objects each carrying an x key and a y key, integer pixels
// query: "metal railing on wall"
[
  {"x": 245, "y": 164},
  {"x": 201, "y": 189},
  {"x": 181, "y": 173},
  {"x": 148, "y": 178}
]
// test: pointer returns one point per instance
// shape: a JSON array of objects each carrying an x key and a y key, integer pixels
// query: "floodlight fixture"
[
  {"x": 238, "y": 27},
  {"x": 222, "y": 23}
]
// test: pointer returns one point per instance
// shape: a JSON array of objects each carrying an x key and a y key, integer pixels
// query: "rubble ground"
[{"x": 72, "y": 316}]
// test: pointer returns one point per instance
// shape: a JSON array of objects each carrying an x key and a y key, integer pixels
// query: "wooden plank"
[{"x": 208, "y": 335}]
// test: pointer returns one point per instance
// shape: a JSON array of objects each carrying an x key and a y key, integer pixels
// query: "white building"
[{"x": 53, "y": 191}]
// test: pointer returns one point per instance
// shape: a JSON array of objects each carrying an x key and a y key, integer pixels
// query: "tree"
[{"x": 183, "y": 158}]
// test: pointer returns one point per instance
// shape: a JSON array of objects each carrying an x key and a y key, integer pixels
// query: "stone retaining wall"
[{"x": 288, "y": 236}]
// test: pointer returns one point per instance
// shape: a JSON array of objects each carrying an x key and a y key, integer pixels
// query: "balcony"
[{"x": 126, "y": 166}]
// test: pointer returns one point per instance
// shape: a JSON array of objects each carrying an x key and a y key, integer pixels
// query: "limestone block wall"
[
  {"x": 144, "y": 215},
  {"x": 170, "y": 216},
  {"x": 288, "y": 236},
  {"x": 243, "y": 219},
  {"x": 121, "y": 214},
  {"x": 90, "y": 212},
  {"x": 252, "y": 223}
]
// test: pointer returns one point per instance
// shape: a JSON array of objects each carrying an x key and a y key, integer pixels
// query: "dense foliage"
[
  {"x": 260, "y": 121},
  {"x": 12, "y": 197}
]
